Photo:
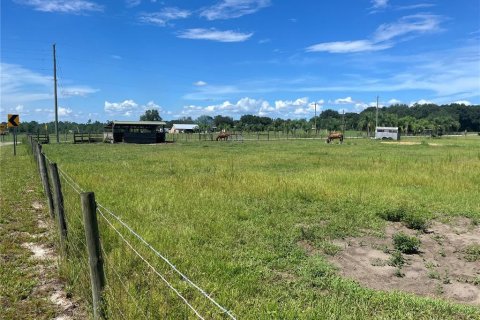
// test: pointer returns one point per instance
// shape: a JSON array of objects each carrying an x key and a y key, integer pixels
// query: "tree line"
[{"x": 414, "y": 119}]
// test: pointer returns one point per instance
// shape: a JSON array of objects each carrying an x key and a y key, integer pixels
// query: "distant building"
[
  {"x": 135, "y": 131},
  {"x": 184, "y": 128}
]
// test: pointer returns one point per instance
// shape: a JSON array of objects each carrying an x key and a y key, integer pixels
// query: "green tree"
[
  {"x": 204, "y": 122},
  {"x": 151, "y": 115}
]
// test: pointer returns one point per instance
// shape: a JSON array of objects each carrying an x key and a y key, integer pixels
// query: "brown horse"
[
  {"x": 223, "y": 136},
  {"x": 335, "y": 135}
]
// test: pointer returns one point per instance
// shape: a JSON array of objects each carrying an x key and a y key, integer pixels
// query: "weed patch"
[
  {"x": 472, "y": 253},
  {"x": 405, "y": 243}
]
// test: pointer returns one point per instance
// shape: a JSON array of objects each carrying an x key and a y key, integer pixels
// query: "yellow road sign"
[
  {"x": 3, "y": 127},
  {"x": 13, "y": 120}
]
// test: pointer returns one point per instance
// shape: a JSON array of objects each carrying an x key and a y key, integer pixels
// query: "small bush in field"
[
  {"x": 405, "y": 243},
  {"x": 415, "y": 221},
  {"x": 394, "y": 214}
]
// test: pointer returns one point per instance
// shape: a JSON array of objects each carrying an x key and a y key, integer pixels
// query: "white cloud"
[
  {"x": 347, "y": 100},
  {"x": 120, "y": 107},
  {"x": 421, "y": 101},
  {"x": 465, "y": 102},
  {"x": 152, "y": 105},
  {"x": 281, "y": 108},
  {"x": 63, "y": 6},
  {"x": 227, "y": 9},
  {"x": 214, "y": 35},
  {"x": 394, "y": 101},
  {"x": 129, "y": 108},
  {"x": 77, "y": 91},
  {"x": 19, "y": 108},
  {"x": 415, "y": 6},
  {"x": 21, "y": 86},
  {"x": 384, "y": 36},
  {"x": 281, "y": 104},
  {"x": 162, "y": 17},
  {"x": 359, "y": 107},
  {"x": 242, "y": 106},
  {"x": 200, "y": 83},
  {"x": 132, "y": 3},
  {"x": 414, "y": 24},
  {"x": 379, "y": 4},
  {"x": 347, "y": 46},
  {"x": 62, "y": 112}
]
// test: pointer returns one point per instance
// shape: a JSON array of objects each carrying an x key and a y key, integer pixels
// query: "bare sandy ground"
[{"x": 439, "y": 270}]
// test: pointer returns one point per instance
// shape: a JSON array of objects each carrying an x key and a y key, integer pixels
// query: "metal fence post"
[
  {"x": 58, "y": 202},
  {"x": 97, "y": 275}
]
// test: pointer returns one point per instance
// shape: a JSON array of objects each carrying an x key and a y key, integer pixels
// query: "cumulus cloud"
[
  {"x": 228, "y": 9},
  {"x": 385, "y": 36},
  {"x": 152, "y": 105},
  {"x": 120, "y": 107},
  {"x": 281, "y": 108},
  {"x": 62, "y": 111},
  {"x": 214, "y": 35},
  {"x": 394, "y": 101},
  {"x": 465, "y": 102},
  {"x": 63, "y": 6},
  {"x": 129, "y": 108},
  {"x": 347, "y": 100},
  {"x": 162, "y": 17},
  {"x": 421, "y": 101}
]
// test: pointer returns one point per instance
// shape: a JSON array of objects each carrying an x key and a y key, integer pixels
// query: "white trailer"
[{"x": 387, "y": 133}]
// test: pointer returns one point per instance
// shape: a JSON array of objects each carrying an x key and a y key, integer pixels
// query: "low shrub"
[
  {"x": 397, "y": 259},
  {"x": 415, "y": 221},
  {"x": 405, "y": 243},
  {"x": 393, "y": 214}
]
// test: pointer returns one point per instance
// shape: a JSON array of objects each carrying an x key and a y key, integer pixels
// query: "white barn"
[{"x": 181, "y": 127}]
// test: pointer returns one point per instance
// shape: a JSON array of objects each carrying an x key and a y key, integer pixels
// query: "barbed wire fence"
[{"x": 141, "y": 282}]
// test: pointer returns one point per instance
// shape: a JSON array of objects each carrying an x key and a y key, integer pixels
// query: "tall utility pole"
[
  {"x": 315, "y": 118},
  {"x": 55, "y": 92},
  {"x": 376, "y": 117},
  {"x": 343, "y": 120}
]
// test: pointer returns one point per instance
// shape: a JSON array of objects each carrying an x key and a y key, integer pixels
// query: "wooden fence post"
[
  {"x": 44, "y": 176},
  {"x": 58, "y": 202},
  {"x": 34, "y": 150},
  {"x": 97, "y": 275}
]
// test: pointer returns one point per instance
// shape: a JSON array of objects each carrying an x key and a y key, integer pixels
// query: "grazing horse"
[
  {"x": 223, "y": 136},
  {"x": 335, "y": 135}
]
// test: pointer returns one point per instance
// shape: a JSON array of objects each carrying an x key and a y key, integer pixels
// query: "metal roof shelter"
[
  {"x": 135, "y": 131},
  {"x": 181, "y": 127}
]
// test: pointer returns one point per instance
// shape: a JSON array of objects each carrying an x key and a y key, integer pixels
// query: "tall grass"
[{"x": 232, "y": 215}]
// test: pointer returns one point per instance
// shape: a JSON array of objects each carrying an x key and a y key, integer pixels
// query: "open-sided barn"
[{"x": 135, "y": 131}]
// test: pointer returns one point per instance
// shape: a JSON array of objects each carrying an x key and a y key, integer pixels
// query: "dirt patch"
[
  {"x": 40, "y": 252},
  {"x": 406, "y": 143},
  {"x": 440, "y": 269},
  {"x": 37, "y": 205}
]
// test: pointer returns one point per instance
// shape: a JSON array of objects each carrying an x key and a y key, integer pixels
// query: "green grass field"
[{"x": 231, "y": 216}]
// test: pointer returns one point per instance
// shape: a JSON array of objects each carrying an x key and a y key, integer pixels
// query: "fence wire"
[{"x": 77, "y": 245}]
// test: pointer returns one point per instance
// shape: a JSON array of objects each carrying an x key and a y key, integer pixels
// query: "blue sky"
[{"x": 232, "y": 57}]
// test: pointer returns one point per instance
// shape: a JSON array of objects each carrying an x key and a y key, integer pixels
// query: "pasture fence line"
[{"x": 89, "y": 252}]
